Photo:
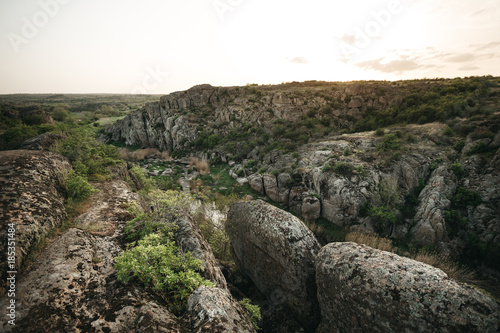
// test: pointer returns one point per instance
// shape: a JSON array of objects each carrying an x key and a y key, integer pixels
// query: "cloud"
[
  {"x": 481, "y": 47},
  {"x": 299, "y": 60},
  {"x": 464, "y": 57},
  {"x": 394, "y": 66},
  {"x": 468, "y": 68},
  {"x": 349, "y": 39}
]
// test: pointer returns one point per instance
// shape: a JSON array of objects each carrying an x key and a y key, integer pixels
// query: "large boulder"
[
  {"x": 361, "y": 289},
  {"x": 215, "y": 310},
  {"x": 31, "y": 198},
  {"x": 277, "y": 251}
]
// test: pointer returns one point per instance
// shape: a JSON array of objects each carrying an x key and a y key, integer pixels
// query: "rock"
[
  {"x": 434, "y": 200},
  {"x": 32, "y": 198},
  {"x": 215, "y": 310},
  {"x": 311, "y": 208},
  {"x": 242, "y": 180},
  {"x": 42, "y": 141},
  {"x": 270, "y": 187},
  {"x": 256, "y": 183},
  {"x": 277, "y": 251},
  {"x": 361, "y": 289},
  {"x": 73, "y": 288},
  {"x": 189, "y": 237}
]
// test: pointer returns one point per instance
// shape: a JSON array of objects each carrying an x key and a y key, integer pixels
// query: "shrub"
[
  {"x": 157, "y": 262},
  {"x": 379, "y": 132},
  {"x": 457, "y": 169},
  {"x": 343, "y": 168},
  {"x": 253, "y": 312},
  {"x": 140, "y": 179},
  {"x": 347, "y": 151},
  {"x": 464, "y": 198},
  {"x": 382, "y": 217},
  {"x": 201, "y": 165},
  {"x": 390, "y": 142},
  {"x": 454, "y": 221},
  {"x": 77, "y": 187}
]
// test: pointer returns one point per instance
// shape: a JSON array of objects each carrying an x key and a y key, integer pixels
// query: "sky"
[{"x": 161, "y": 46}]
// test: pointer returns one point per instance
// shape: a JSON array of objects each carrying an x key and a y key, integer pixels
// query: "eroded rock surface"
[
  {"x": 189, "y": 238},
  {"x": 31, "y": 197},
  {"x": 215, "y": 310},
  {"x": 361, "y": 289},
  {"x": 277, "y": 251}
]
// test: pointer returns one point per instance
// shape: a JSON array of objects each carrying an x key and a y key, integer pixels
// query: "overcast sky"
[{"x": 160, "y": 46}]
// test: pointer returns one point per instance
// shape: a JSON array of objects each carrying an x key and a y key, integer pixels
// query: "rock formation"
[
  {"x": 277, "y": 251},
  {"x": 215, "y": 310},
  {"x": 32, "y": 198},
  {"x": 361, "y": 289}
]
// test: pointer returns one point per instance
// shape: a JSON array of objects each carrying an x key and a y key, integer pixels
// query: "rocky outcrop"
[
  {"x": 215, "y": 310},
  {"x": 277, "y": 251},
  {"x": 42, "y": 141},
  {"x": 361, "y": 289},
  {"x": 190, "y": 239},
  {"x": 31, "y": 198},
  {"x": 434, "y": 200}
]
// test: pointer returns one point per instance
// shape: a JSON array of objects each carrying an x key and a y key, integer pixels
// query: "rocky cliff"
[{"x": 305, "y": 145}]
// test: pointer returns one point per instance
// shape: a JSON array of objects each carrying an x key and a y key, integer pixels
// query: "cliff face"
[{"x": 177, "y": 119}]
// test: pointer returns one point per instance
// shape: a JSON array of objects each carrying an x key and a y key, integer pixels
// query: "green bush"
[
  {"x": 382, "y": 217},
  {"x": 457, "y": 169},
  {"x": 157, "y": 262},
  {"x": 77, "y": 187},
  {"x": 343, "y": 168},
  {"x": 390, "y": 142},
  {"x": 253, "y": 311},
  {"x": 454, "y": 221},
  {"x": 464, "y": 198}
]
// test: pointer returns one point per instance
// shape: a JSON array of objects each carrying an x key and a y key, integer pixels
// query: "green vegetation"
[
  {"x": 390, "y": 142},
  {"x": 253, "y": 312},
  {"x": 464, "y": 198},
  {"x": 157, "y": 262},
  {"x": 457, "y": 169},
  {"x": 77, "y": 187}
]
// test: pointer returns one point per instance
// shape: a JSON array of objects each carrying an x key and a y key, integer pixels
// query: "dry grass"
[
  {"x": 201, "y": 165},
  {"x": 141, "y": 154},
  {"x": 370, "y": 240},
  {"x": 453, "y": 269}
]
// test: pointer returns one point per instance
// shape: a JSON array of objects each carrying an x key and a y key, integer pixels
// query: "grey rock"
[
  {"x": 277, "y": 251},
  {"x": 32, "y": 198},
  {"x": 215, "y": 310},
  {"x": 361, "y": 289}
]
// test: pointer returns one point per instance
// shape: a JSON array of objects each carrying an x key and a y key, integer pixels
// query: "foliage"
[
  {"x": 253, "y": 311},
  {"x": 457, "y": 169},
  {"x": 454, "y": 222},
  {"x": 88, "y": 155},
  {"x": 140, "y": 179},
  {"x": 157, "y": 262},
  {"x": 343, "y": 168},
  {"x": 77, "y": 187},
  {"x": 464, "y": 198},
  {"x": 163, "y": 208},
  {"x": 390, "y": 142},
  {"x": 382, "y": 217}
]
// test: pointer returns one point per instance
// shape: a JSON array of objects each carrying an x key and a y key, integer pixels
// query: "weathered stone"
[
  {"x": 361, "y": 289},
  {"x": 277, "y": 251},
  {"x": 271, "y": 186},
  {"x": 189, "y": 237},
  {"x": 311, "y": 208},
  {"x": 256, "y": 183},
  {"x": 434, "y": 200},
  {"x": 42, "y": 141},
  {"x": 215, "y": 310},
  {"x": 31, "y": 198}
]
